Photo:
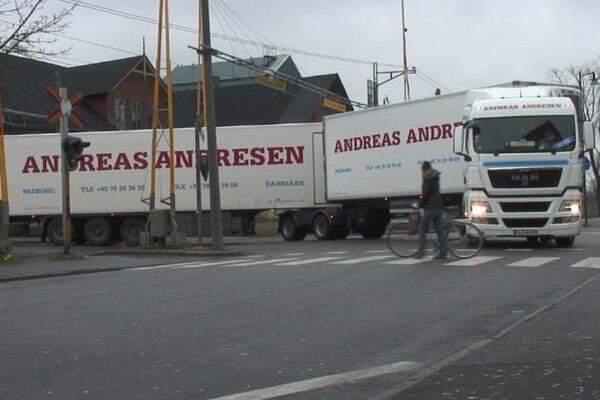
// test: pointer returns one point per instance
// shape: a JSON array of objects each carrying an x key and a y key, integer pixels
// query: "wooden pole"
[
  {"x": 211, "y": 132},
  {"x": 405, "y": 58},
  {"x": 155, "y": 107},
  {"x": 171, "y": 131},
  {"x": 66, "y": 187},
  {"x": 198, "y": 133}
]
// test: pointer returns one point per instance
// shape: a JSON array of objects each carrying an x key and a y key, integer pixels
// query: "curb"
[{"x": 59, "y": 274}]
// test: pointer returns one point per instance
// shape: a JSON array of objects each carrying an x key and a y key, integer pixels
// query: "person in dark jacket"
[{"x": 433, "y": 206}]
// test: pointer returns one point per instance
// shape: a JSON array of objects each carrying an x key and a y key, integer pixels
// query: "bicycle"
[{"x": 463, "y": 238}]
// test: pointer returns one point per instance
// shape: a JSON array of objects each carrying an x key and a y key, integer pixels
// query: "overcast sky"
[{"x": 459, "y": 43}]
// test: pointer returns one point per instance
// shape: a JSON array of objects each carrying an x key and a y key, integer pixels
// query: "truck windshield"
[{"x": 534, "y": 134}]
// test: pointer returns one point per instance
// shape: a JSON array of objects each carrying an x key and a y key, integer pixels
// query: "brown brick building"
[{"x": 118, "y": 93}]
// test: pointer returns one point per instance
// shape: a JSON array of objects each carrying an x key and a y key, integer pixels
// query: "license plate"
[{"x": 525, "y": 232}]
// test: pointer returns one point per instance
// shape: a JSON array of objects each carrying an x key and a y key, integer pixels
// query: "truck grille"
[
  {"x": 525, "y": 222},
  {"x": 525, "y": 178},
  {"x": 539, "y": 206}
]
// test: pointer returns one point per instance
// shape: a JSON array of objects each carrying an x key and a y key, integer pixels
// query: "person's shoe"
[
  {"x": 440, "y": 257},
  {"x": 418, "y": 256}
]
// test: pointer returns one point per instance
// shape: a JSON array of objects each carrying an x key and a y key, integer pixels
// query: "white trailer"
[
  {"x": 261, "y": 168},
  {"x": 516, "y": 169}
]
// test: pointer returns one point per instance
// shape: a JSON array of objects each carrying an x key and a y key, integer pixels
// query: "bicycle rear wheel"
[
  {"x": 464, "y": 239},
  {"x": 400, "y": 241}
]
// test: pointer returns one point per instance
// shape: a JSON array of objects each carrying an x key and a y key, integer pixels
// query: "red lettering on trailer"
[{"x": 240, "y": 157}]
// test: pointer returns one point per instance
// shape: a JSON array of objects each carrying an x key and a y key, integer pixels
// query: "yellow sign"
[
  {"x": 270, "y": 82},
  {"x": 334, "y": 105}
]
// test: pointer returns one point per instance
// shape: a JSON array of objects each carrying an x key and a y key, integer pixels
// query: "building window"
[
  {"x": 120, "y": 114},
  {"x": 137, "y": 115}
]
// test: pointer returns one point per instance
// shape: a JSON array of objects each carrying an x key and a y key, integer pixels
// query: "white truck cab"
[{"x": 523, "y": 148}]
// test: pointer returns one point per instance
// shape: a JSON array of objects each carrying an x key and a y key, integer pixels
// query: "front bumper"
[{"x": 513, "y": 217}]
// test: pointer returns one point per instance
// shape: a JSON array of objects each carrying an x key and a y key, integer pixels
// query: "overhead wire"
[{"x": 223, "y": 13}]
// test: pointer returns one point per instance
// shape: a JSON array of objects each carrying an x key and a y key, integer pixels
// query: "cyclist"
[{"x": 433, "y": 206}]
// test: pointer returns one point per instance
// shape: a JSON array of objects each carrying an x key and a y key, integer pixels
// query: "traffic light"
[
  {"x": 204, "y": 166},
  {"x": 73, "y": 148}
]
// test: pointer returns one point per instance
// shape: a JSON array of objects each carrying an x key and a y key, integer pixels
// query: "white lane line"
[
  {"x": 410, "y": 261},
  {"x": 165, "y": 266},
  {"x": 336, "y": 252},
  {"x": 256, "y": 256},
  {"x": 261, "y": 262},
  {"x": 362, "y": 259},
  {"x": 214, "y": 264},
  {"x": 293, "y": 254},
  {"x": 377, "y": 251},
  {"x": 523, "y": 250},
  {"x": 323, "y": 381},
  {"x": 310, "y": 261},
  {"x": 471, "y": 262},
  {"x": 532, "y": 262},
  {"x": 590, "y": 262}
]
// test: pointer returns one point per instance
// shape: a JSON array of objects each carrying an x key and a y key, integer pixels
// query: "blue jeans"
[{"x": 437, "y": 216}]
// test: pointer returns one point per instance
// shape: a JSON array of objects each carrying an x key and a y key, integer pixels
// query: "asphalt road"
[{"x": 314, "y": 320}]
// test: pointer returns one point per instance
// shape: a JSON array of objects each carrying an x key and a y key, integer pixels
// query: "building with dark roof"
[
  {"x": 240, "y": 99},
  {"x": 118, "y": 93}
]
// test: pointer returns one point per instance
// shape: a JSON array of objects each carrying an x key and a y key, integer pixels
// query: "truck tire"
[
  {"x": 565, "y": 241},
  {"x": 374, "y": 232},
  {"x": 322, "y": 227},
  {"x": 341, "y": 232},
  {"x": 290, "y": 231},
  {"x": 131, "y": 229},
  {"x": 54, "y": 231},
  {"x": 98, "y": 231}
]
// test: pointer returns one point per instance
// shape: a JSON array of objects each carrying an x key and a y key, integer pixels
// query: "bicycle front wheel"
[
  {"x": 400, "y": 241},
  {"x": 464, "y": 239}
]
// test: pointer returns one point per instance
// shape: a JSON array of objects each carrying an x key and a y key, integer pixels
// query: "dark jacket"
[{"x": 431, "y": 190}]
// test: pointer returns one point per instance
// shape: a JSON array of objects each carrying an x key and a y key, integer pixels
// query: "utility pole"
[
  {"x": 5, "y": 247},
  {"x": 375, "y": 84},
  {"x": 155, "y": 106},
  {"x": 198, "y": 133},
  {"x": 209, "y": 117},
  {"x": 171, "y": 132},
  {"x": 405, "y": 58},
  {"x": 66, "y": 187}
]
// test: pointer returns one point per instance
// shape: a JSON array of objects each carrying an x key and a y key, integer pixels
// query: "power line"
[{"x": 149, "y": 20}]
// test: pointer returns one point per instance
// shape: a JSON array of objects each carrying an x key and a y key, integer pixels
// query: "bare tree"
[
  {"x": 578, "y": 75},
  {"x": 26, "y": 28}
]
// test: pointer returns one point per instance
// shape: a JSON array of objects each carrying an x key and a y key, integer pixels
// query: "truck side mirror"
[
  {"x": 589, "y": 137},
  {"x": 459, "y": 139}
]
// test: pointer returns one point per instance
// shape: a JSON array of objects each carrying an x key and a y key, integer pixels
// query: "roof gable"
[{"x": 100, "y": 77}]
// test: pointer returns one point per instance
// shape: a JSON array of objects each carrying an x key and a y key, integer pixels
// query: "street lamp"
[{"x": 593, "y": 82}]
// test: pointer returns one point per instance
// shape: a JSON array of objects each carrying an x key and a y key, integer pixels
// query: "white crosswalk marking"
[
  {"x": 362, "y": 259},
  {"x": 192, "y": 264},
  {"x": 293, "y": 254},
  {"x": 590, "y": 262},
  {"x": 261, "y": 262},
  {"x": 409, "y": 261},
  {"x": 377, "y": 251},
  {"x": 471, "y": 262},
  {"x": 213, "y": 264},
  {"x": 310, "y": 261},
  {"x": 532, "y": 262},
  {"x": 519, "y": 250},
  {"x": 336, "y": 252}
]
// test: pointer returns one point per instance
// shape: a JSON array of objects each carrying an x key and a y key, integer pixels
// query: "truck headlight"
[
  {"x": 479, "y": 208},
  {"x": 571, "y": 206}
]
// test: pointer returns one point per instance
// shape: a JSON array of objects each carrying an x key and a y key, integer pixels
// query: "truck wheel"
[
  {"x": 565, "y": 241},
  {"x": 373, "y": 232},
  {"x": 54, "y": 231},
  {"x": 131, "y": 229},
  {"x": 290, "y": 230},
  {"x": 98, "y": 231},
  {"x": 322, "y": 227}
]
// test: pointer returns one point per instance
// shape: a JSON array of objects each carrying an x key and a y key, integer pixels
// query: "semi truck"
[
  {"x": 509, "y": 155},
  {"x": 261, "y": 168}
]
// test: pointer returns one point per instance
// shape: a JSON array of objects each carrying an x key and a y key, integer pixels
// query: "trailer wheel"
[
  {"x": 98, "y": 231},
  {"x": 54, "y": 231},
  {"x": 290, "y": 230},
  {"x": 373, "y": 232},
  {"x": 322, "y": 227},
  {"x": 131, "y": 229}
]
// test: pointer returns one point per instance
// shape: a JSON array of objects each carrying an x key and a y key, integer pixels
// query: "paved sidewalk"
[{"x": 553, "y": 356}]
